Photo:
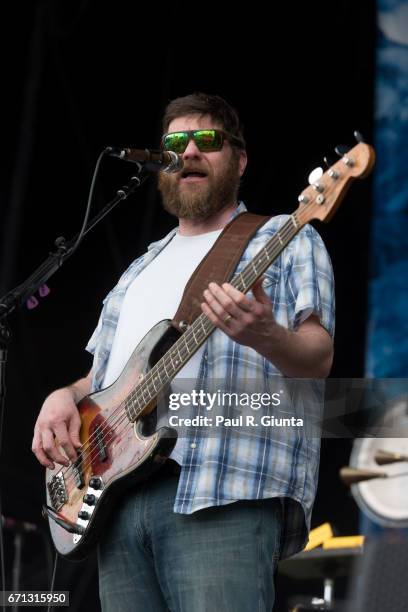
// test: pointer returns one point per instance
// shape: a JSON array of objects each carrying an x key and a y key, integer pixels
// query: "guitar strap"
[{"x": 217, "y": 266}]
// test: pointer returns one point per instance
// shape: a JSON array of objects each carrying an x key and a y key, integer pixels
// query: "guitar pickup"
[
  {"x": 100, "y": 445},
  {"x": 78, "y": 471}
]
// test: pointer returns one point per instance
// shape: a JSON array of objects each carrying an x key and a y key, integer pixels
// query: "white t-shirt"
[{"x": 154, "y": 295}]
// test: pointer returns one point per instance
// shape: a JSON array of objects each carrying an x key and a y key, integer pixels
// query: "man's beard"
[{"x": 202, "y": 200}]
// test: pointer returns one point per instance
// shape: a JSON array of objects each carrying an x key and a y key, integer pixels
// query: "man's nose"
[{"x": 191, "y": 150}]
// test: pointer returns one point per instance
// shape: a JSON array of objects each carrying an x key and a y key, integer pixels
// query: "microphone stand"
[{"x": 17, "y": 297}]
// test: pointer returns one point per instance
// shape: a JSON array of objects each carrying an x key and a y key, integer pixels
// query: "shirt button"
[{"x": 193, "y": 445}]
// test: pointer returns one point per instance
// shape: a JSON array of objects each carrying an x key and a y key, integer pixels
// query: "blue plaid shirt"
[{"x": 220, "y": 469}]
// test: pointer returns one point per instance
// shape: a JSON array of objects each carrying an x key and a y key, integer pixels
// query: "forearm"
[
  {"x": 81, "y": 387},
  {"x": 306, "y": 353}
]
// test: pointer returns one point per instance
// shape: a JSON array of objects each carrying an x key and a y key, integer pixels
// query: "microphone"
[{"x": 154, "y": 160}]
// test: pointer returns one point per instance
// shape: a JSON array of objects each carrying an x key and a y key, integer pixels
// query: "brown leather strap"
[{"x": 217, "y": 266}]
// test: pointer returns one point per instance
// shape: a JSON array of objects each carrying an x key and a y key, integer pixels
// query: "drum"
[{"x": 384, "y": 500}]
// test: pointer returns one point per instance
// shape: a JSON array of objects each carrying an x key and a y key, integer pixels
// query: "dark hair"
[{"x": 204, "y": 104}]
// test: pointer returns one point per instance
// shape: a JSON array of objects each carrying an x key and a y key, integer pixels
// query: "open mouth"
[{"x": 190, "y": 176}]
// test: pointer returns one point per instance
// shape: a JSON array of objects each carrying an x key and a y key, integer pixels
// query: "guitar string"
[{"x": 120, "y": 416}]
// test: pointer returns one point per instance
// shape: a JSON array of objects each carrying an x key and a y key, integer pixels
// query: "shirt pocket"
[{"x": 271, "y": 276}]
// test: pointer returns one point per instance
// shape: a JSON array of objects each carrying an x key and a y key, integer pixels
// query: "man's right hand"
[{"x": 59, "y": 419}]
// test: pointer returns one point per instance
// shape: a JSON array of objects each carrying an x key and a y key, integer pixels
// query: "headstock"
[{"x": 321, "y": 199}]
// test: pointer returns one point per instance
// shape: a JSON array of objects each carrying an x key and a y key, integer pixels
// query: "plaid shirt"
[{"x": 237, "y": 465}]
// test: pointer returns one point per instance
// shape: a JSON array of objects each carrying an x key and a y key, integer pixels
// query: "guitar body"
[{"x": 117, "y": 453}]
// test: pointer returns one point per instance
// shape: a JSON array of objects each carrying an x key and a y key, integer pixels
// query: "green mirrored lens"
[
  {"x": 205, "y": 140},
  {"x": 208, "y": 140},
  {"x": 177, "y": 142}
]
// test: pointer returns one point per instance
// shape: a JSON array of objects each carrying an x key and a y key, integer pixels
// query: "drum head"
[{"x": 384, "y": 501}]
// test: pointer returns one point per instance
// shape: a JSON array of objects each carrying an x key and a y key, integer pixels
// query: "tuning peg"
[
  {"x": 328, "y": 161},
  {"x": 358, "y": 136},
  {"x": 342, "y": 150},
  {"x": 315, "y": 175}
]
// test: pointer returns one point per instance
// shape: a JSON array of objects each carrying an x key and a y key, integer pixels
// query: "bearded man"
[{"x": 206, "y": 532}]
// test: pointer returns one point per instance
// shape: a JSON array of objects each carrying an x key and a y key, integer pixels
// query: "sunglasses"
[{"x": 205, "y": 140}]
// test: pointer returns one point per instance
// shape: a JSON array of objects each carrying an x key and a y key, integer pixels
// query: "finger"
[
  {"x": 38, "y": 451},
  {"x": 220, "y": 323},
  {"x": 251, "y": 308},
  {"x": 65, "y": 441},
  {"x": 221, "y": 310},
  {"x": 240, "y": 299},
  {"x": 48, "y": 444},
  {"x": 74, "y": 429},
  {"x": 217, "y": 295}
]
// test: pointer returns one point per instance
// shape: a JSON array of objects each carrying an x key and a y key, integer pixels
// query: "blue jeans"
[{"x": 218, "y": 559}]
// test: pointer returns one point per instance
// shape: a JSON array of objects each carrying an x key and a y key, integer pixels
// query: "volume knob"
[
  {"x": 95, "y": 483},
  {"x": 89, "y": 499}
]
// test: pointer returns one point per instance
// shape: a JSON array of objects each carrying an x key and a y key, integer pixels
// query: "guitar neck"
[{"x": 197, "y": 333}]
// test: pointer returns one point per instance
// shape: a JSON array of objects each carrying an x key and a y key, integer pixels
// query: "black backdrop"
[{"x": 81, "y": 75}]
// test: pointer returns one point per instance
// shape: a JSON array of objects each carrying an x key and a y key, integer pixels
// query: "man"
[{"x": 208, "y": 536}]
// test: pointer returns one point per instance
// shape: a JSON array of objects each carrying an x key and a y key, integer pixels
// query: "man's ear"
[{"x": 242, "y": 162}]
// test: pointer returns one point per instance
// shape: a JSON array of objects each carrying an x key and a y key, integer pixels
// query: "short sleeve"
[
  {"x": 100, "y": 343},
  {"x": 94, "y": 339},
  {"x": 310, "y": 281}
]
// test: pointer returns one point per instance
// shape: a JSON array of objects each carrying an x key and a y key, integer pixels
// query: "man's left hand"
[{"x": 246, "y": 320}]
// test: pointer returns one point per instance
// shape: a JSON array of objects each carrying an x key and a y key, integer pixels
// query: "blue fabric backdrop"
[{"x": 387, "y": 337}]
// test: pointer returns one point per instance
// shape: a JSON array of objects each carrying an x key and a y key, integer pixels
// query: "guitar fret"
[
  {"x": 135, "y": 408},
  {"x": 171, "y": 359},
  {"x": 266, "y": 253},
  {"x": 143, "y": 390},
  {"x": 129, "y": 410},
  {"x": 165, "y": 369},
  {"x": 181, "y": 351},
  {"x": 154, "y": 378},
  {"x": 159, "y": 373},
  {"x": 135, "y": 398},
  {"x": 175, "y": 362},
  {"x": 294, "y": 220},
  {"x": 178, "y": 351},
  {"x": 194, "y": 331},
  {"x": 135, "y": 412}
]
